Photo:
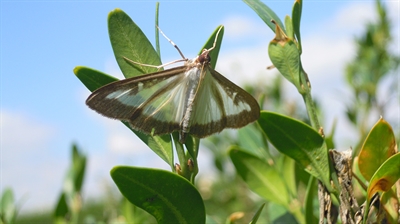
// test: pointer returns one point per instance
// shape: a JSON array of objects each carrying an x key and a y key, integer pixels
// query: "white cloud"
[
  {"x": 246, "y": 65},
  {"x": 20, "y": 133},
  {"x": 353, "y": 17},
  {"x": 26, "y": 166},
  {"x": 237, "y": 27},
  {"x": 121, "y": 140}
]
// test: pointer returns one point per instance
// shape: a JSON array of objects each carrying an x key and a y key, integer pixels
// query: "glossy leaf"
[
  {"x": 265, "y": 13},
  {"x": 379, "y": 145},
  {"x": 261, "y": 178},
  {"x": 93, "y": 80},
  {"x": 298, "y": 141},
  {"x": 166, "y": 196},
  {"x": 385, "y": 176},
  {"x": 214, "y": 53},
  {"x": 390, "y": 204},
  {"x": 128, "y": 40},
  {"x": 285, "y": 56},
  {"x": 296, "y": 17},
  {"x": 257, "y": 215}
]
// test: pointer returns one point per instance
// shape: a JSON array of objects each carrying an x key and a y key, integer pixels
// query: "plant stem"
[
  {"x": 157, "y": 33},
  {"x": 311, "y": 110}
]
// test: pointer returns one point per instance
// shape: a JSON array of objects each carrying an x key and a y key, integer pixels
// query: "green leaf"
[
  {"x": 285, "y": 56},
  {"x": 390, "y": 204},
  {"x": 265, "y": 13},
  {"x": 257, "y": 215},
  {"x": 298, "y": 141},
  {"x": 91, "y": 78},
  {"x": 8, "y": 210},
  {"x": 210, "y": 42},
  {"x": 210, "y": 220},
  {"x": 287, "y": 169},
  {"x": 128, "y": 40},
  {"x": 192, "y": 145},
  {"x": 168, "y": 197},
  {"x": 251, "y": 139},
  {"x": 279, "y": 214},
  {"x": 261, "y": 178},
  {"x": 289, "y": 27},
  {"x": 379, "y": 145},
  {"x": 309, "y": 201},
  {"x": 62, "y": 209},
  {"x": 296, "y": 17},
  {"x": 79, "y": 167},
  {"x": 161, "y": 145},
  {"x": 385, "y": 176}
]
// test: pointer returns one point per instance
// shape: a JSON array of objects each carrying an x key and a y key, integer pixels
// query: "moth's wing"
[
  {"x": 151, "y": 103},
  {"x": 221, "y": 104}
]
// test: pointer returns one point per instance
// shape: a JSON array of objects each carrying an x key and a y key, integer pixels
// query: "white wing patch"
[{"x": 221, "y": 104}]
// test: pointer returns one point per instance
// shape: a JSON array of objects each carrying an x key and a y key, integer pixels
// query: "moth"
[{"x": 192, "y": 99}]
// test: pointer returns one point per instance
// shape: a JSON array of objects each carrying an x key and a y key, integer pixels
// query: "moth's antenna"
[
  {"x": 216, "y": 38},
  {"x": 173, "y": 44}
]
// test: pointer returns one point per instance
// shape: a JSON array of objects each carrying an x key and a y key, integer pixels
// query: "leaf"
[
  {"x": 298, "y": 141},
  {"x": 385, "y": 176},
  {"x": 288, "y": 171},
  {"x": 214, "y": 53},
  {"x": 257, "y": 215},
  {"x": 62, "y": 209},
  {"x": 165, "y": 195},
  {"x": 390, "y": 204},
  {"x": 92, "y": 78},
  {"x": 8, "y": 210},
  {"x": 289, "y": 27},
  {"x": 251, "y": 139},
  {"x": 279, "y": 214},
  {"x": 261, "y": 178},
  {"x": 128, "y": 40},
  {"x": 161, "y": 145},
  {"x": 285, "y": 56},
  {"x": 309, "y": 201},
  {"x": 265, "y": 13},
  {"x": 79, "y": 167},
  {"x": 296, "y": 17},
  {"x": 379, "y": 145}
]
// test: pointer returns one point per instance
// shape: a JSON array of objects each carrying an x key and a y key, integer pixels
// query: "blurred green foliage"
[{"x": 230, "y": 195}]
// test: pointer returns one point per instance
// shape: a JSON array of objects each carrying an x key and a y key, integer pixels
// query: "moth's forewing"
[
  {"x": 150, "y": 103},
  {"x": 221, "y": 104}
]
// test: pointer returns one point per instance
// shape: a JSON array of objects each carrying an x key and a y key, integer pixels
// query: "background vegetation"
[{"x": 265, "y": 171}]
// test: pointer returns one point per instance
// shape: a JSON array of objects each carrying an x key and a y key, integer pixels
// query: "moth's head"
[{"x": 204, "y": 57}]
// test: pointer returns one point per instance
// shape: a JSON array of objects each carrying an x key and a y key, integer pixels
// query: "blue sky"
[{"x": 42, "y": 102}]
